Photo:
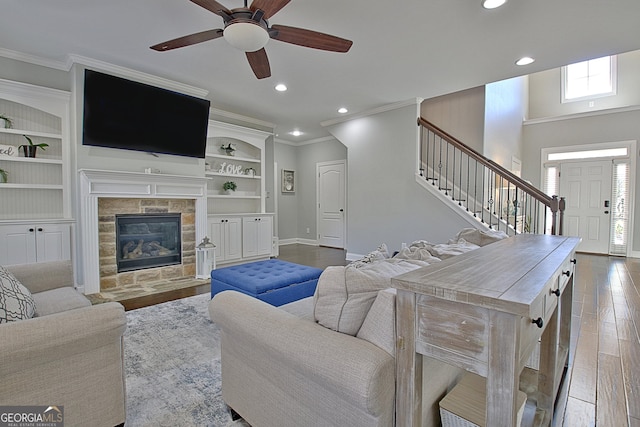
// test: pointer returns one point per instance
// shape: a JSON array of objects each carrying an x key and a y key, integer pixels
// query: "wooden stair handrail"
[{"x": 516, "y": 180}]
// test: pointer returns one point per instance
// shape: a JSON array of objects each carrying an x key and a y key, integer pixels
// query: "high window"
[{"x": 589, "y": 79}]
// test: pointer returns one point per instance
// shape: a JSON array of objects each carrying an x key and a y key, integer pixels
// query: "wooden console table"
[{"x": 485, "y": 311}]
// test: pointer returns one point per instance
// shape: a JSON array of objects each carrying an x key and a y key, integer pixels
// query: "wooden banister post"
[
  {"x": 553, "y": 206},
  {"x": 561, "y": 207}
]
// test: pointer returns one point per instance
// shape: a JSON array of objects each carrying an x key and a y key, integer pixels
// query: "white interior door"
[
  {"x": 332, "y": 203},
  {"x": 587, "y": 187}
]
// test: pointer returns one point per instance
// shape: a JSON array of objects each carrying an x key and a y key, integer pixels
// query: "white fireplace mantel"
[{"x": 94, "y": 184}]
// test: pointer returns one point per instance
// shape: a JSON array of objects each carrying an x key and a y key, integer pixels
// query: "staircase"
[{"x": 481, "y": 191}]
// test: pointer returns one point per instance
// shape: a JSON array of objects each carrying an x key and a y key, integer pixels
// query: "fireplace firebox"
[{"x": 147, "y": 241}]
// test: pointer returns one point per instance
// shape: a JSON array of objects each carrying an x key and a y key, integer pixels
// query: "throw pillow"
[
  {"x": 380, "y": 253},
  {"x": 379, "y": 327},
  {"x": 344, "y": 295},
  {"x": 16, "y": 302},
  {"x": 478, "y": 237}
]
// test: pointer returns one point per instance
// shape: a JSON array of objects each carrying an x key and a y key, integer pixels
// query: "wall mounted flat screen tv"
[{"x": 120, "y": 113}]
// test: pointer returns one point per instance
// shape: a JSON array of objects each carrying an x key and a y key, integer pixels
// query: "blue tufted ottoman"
[{"x": 273, "y": 281}]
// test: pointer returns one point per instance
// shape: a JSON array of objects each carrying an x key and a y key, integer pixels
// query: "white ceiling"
[{"x": 402, "y": 49}]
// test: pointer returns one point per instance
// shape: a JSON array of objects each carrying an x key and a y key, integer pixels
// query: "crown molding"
[
  {"x": 308, "y": 142},
  {"x": 136, "y": 75},
  {"x": 238, "y": 117},
  {"x": 616, "y": 110},
  {"x": 378, "y": 110},
  {"x": 33, "y": 59}
]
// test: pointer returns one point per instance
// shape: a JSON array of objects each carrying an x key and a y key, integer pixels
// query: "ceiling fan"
[{"x": 247, "y": 29}]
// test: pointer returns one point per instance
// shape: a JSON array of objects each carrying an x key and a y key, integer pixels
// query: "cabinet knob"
[
  {"x": 539, "y": 322},
  {"x": 566, "y": 273},
  {"x": 573, "y": 261},
  {"x": 40, "y": 229},
  {"x": 31, "y": 230},
  {"x": 556, "y": 292}
]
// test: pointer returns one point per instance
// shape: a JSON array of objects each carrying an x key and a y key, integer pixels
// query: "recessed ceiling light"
[
  {"x": 342, "y": 110},
  {"x": 281, "y": 87},
  {"x": 492, "y": 4},
  {"x": 525, "y": 61},
  {"x": 296, "y": 133}
]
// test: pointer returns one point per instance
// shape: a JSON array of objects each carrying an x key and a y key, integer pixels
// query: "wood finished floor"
[{"x": 602, "y": 387}]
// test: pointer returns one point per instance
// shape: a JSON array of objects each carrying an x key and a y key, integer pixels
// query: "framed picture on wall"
[{"x": 288, "y": 181}]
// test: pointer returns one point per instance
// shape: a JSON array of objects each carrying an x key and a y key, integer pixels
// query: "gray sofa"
[{"x": 69, "y": 355}]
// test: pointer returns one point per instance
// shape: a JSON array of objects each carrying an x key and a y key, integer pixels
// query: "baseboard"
[
  {"x": 294, "y": 241},
  {"x": 353, "y": 257}
]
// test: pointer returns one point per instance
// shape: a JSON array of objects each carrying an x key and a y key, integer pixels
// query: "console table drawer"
[{"x": 449, "y": 331}]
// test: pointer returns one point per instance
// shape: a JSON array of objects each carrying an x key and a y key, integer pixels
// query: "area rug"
[{"x": 172, "y": 365}]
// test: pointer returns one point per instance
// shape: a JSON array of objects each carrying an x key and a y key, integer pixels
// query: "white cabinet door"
[
  {"x": 226, "y": 235},
  {"x": 256, "y": 236},
  {"x": 28, "y": 243},
  {"x": 53, "y": 242},
  {"x": 249, "y": 237},
  {"x": 17, "y": 244},
  {"x": 265, "y": 235},
  {"x": 233, "y": 238}
]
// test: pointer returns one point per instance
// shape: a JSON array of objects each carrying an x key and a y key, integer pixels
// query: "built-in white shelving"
[{"x": 36, "y": 188}]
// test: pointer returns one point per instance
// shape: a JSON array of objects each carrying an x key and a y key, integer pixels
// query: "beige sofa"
[
  {"x": 69, "y": 355},
  {"x": 329, "y": 360}
]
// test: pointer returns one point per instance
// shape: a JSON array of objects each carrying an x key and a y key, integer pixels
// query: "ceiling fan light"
[{"x": 246, "y": 36}]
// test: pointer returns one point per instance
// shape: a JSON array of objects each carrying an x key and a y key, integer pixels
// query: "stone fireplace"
[
  {"x": 145, "y": 240},
  {"x": 105, "y": 194}
]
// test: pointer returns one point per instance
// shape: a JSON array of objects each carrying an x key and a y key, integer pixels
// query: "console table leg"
[
  {"x": 502, "y": 377},
  {"x": 408, "y": 364}
]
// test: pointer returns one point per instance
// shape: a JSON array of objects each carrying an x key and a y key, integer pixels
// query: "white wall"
[
  {"x": 505, "y": 108},
  {"x": 285, "y": 156},
  {"x": 623, "y": 126},
  {"x": 297, "y": 211},
  {"x": 545, "y": 97},
  {"x": 11, "y": 69},
  {"x": 461, "y": 114},
  {"x": 575, "y": 125},
  {"x": 384, "y": 203}
]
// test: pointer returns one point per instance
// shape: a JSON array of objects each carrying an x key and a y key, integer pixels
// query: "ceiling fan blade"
[
  {"x": 259, "y": 63},
  {"x": 213, "y": 6},
  {"x": 269, "y": 7},
  {"x": 188, "y": 40},
  {"x": 308, "y": 38}
]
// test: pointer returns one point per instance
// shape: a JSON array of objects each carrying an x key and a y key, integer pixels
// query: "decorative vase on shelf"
[
  {"x": 29, "y": 150},
  {"x": 229, "y": 149},
  {"x": 5, "y": 122}
]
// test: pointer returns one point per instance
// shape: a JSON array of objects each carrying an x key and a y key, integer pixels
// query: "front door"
[
  {"x": 331, "y": 204},
  {"x": 587, "y": 186}
]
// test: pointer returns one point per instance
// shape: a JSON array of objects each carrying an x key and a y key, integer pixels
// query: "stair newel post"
[
  {"x": 554, "y": 213},
  {"x": 561, "y": 207}
]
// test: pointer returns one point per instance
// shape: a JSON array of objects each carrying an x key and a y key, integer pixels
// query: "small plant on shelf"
[
  {"x": 5, "y": 121},
  {"x": 229, "y": 187},
  {"x": 4, "y": 176},
  {"x": 30, "y": 149}
]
